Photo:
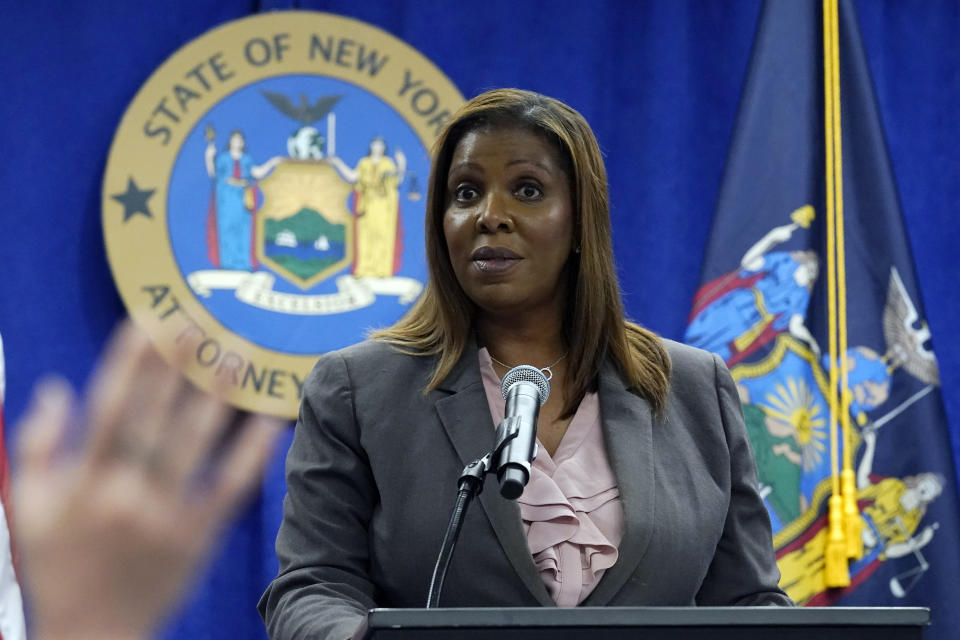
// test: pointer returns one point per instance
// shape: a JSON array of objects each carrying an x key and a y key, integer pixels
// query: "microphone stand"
[{"x": 470, "y": 484}]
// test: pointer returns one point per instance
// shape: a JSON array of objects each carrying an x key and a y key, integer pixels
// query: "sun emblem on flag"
[{"x": 793, "y": 405}]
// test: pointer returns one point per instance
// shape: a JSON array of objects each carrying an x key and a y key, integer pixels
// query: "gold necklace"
[{"x": 547, "y": 371}]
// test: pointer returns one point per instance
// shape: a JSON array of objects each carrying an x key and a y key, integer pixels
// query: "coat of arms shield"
[{"x": 304, "y": 228}]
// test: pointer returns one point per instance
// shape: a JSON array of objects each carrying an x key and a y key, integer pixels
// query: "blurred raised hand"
[{"x": 112, "y": 528}]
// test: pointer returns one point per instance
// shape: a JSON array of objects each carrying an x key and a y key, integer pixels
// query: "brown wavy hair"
[{"x": 594, "y": 327}]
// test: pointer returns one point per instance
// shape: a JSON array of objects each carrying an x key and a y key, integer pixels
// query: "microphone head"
[{"x": 526, "y": 373}]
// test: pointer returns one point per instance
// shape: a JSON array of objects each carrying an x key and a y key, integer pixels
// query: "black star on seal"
[{"x": 134, "y": 201}]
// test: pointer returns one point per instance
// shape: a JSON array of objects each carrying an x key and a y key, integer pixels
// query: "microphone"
[{"x": 525, "y": 390}]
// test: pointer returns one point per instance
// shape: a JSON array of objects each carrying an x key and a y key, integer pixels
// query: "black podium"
[{"x": 648, "y": 623}]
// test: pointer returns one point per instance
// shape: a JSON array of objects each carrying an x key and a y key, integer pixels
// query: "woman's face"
[
  {"x": 509, "y": 221},
  {"x": 236, "y": 142}
]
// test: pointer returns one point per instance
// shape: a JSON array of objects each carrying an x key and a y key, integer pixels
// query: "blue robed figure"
[{"x": 233, "y": 203}]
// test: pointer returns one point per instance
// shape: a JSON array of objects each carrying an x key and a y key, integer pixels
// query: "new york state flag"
[{"x": 763, "y": 307}]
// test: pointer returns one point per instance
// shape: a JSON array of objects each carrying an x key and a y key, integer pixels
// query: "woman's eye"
[
  {"x": 465, "y": 193},
  {"x": 529, "y": 191}
]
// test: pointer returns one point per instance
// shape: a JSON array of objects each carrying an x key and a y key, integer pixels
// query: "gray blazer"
[{"x": 372, "y": 476}]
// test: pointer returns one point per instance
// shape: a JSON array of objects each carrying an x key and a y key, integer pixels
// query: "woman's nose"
[{"x": 493, "y": 213}]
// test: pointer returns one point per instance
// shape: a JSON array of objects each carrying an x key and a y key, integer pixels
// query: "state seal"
[{"x": 262, "y": 200}]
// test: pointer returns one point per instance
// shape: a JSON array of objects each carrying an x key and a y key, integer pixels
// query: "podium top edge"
[{"x": 481, "y": 617}]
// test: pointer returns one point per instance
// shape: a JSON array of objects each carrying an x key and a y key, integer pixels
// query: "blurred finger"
[
  {"x": 41, "y": 429},
  {"x": 110, "y": 387},
  {"x": 199, "y": 427},
  {"x": 195, "y": 420},
  {"x": 116, "y": 349},
  {"x": 240, "y": 469},
  {"x": 152, "y": 408}
]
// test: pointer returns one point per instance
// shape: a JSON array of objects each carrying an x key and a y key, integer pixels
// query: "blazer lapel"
[
  {"x": 465, "y": 416},
  {"x": 628, "y": 434}
]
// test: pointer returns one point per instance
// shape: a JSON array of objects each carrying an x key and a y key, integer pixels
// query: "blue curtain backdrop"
[{"x": 659, "y": 81}]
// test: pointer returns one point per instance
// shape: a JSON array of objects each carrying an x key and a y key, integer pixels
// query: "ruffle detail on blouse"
[
  {"x": 568, "y": 547},
  {"x": 571, "y": 507}
]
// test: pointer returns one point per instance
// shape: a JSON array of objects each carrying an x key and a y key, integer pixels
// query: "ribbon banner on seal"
[{"x": 256, "y": 289}]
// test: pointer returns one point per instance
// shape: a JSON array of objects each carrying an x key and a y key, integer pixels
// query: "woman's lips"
[
  {"x": 494, "y": 260},
  {"x": 496, "y": 266}
]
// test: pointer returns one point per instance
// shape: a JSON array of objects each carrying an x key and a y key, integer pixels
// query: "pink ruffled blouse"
[{"x": 571, "y": 507}]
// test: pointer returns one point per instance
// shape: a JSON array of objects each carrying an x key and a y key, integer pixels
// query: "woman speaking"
[{"x": 644, "y": 489}]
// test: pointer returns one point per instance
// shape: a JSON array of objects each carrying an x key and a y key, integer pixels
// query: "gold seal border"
[{"x": 211, "y": 67}]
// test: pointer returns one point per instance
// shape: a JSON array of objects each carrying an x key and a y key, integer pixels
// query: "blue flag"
[{"x": 762, "y": 306}]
